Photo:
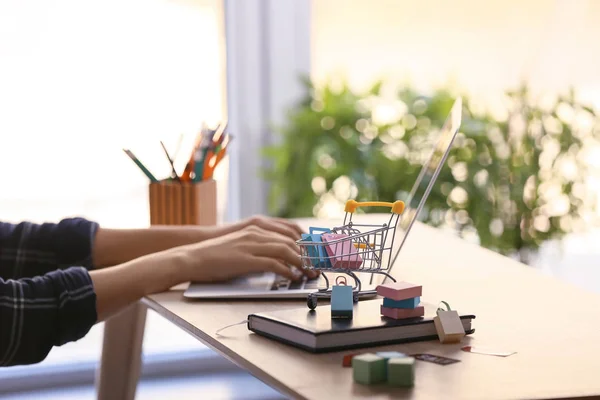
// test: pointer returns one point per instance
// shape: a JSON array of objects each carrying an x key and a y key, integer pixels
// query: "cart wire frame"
[{"x": 352, "y": 248}]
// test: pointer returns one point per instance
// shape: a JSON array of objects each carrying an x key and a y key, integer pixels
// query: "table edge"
[{"x": 221, "y": 349}]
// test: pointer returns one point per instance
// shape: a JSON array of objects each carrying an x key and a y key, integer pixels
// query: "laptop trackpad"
[{"x": 258, "y": 282}]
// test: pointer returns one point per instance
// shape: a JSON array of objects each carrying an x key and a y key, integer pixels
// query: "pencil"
[
  {"x": 215, "y": 158},
  {"x": 140, "y": 165},
  {"x": 176, "y": 177}
]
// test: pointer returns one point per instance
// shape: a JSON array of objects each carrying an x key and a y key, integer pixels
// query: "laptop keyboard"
[{"x": 286, "y": 284}]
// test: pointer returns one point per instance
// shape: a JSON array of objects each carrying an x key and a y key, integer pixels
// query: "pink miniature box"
[
  {"x": 343, "y": 254},
  {"x": 399, "y": 290},
  {"x": 403, "y": 313}
]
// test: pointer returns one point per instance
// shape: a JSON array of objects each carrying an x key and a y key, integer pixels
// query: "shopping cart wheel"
[
  {"x": 311, "y": 302},
  {"x": 355, "y": 297}
]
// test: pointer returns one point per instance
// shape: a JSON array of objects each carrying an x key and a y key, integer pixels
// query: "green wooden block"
[
  {"x": 401, "y": 372},
  {"x": 369, "y": 369}
]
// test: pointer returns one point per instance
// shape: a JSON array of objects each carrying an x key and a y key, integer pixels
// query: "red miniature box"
[{"x": 402, "y": 313}]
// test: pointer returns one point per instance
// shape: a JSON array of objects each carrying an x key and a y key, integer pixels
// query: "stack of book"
[{"x": 316, "y": 331}]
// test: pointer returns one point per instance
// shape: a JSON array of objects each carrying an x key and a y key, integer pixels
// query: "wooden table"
[{"x": 552, "y": 326}]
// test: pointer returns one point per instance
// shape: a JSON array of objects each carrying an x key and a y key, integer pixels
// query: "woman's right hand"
[{"x": 249, "y": 250}]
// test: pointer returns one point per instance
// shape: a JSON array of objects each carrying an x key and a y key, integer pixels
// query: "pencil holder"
[{"x": 182, "y": 203}]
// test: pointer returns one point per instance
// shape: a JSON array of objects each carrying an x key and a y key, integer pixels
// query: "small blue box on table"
[{"x": 342, "y": 302}]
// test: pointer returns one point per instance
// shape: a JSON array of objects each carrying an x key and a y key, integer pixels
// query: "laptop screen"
[{"x": 427, "y": 177}]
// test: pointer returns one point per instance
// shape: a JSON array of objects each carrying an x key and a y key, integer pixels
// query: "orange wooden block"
[{"x": 347, "y": 361}]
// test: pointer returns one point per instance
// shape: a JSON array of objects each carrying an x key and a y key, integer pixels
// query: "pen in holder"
[{"x": 183, "y": 203}]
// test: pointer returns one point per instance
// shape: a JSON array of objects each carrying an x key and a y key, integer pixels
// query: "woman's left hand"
[
  {"x": 281, "y": 226},
  {"x": 271, "y": 224}
]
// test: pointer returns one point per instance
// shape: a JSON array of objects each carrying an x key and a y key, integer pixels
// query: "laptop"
[{"x": 272, "y": 286}]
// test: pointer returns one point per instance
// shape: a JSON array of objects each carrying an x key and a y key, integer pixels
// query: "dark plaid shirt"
[{"x": 46, "y": 293}]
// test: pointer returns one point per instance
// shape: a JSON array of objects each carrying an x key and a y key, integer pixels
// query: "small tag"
[
  {"x": 440, "y": 360},
  {"x": 487, "y": 351}
]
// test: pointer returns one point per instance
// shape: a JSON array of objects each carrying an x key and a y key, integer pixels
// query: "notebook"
[{"x": 315, "y": 331}]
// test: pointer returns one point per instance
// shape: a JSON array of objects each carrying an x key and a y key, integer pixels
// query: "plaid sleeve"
[
  {"x": 45, "y": 311},
  {"x": 28, "y": 250}
]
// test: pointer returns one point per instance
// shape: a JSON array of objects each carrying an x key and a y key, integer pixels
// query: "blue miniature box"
[
  {"x": 342, "y": 302},
  {"x": 317, "y": 253},
  {"x": 408, "y": 303}
]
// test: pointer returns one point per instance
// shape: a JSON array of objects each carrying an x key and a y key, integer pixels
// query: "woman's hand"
[
  {"x": 117, "y": 246},
  {"x": 271, "y": 224},
  {"x": 251, "y": 249},
  {"x": 248, "y": 250},
  {"x": 280, "y": 225}
]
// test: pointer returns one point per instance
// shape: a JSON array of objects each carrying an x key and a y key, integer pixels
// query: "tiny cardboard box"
[{"x": 448, "y": 326}]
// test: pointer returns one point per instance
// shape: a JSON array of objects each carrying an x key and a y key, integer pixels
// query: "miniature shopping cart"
[{"x": 351, "y": 248}]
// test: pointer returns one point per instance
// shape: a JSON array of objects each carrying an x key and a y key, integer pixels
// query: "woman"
[{"x": 58, "y": 279}]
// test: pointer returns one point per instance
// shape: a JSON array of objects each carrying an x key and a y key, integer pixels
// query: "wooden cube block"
[
  {"x": 401, "y": 372},
  {"x": 399, "y": 290},
  {"x": 408, "y": 303},
  {"x": 390, "y": 354},
  {"x": 403, "y": 313},
  {"x": 369, "y": 369},
  {"x": 448, "y": 326},
  {"x": 342, "y": 303}
]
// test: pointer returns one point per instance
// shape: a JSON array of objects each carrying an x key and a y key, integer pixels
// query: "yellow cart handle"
[{"x": 397, "y": 206}]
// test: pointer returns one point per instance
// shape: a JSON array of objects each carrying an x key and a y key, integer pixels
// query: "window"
[
  {"x": 83, "y": 80},
  {"x": 80, "y": 81}
]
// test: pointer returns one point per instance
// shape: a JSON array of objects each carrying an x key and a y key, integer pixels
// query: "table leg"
[{"x": 121, "y": 361}]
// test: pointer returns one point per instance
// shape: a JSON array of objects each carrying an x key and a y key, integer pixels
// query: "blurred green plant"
[{"x": 512, "y": 182}]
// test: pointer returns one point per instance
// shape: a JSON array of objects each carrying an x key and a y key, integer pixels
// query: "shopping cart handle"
[{"x": 397, "y": 206}]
